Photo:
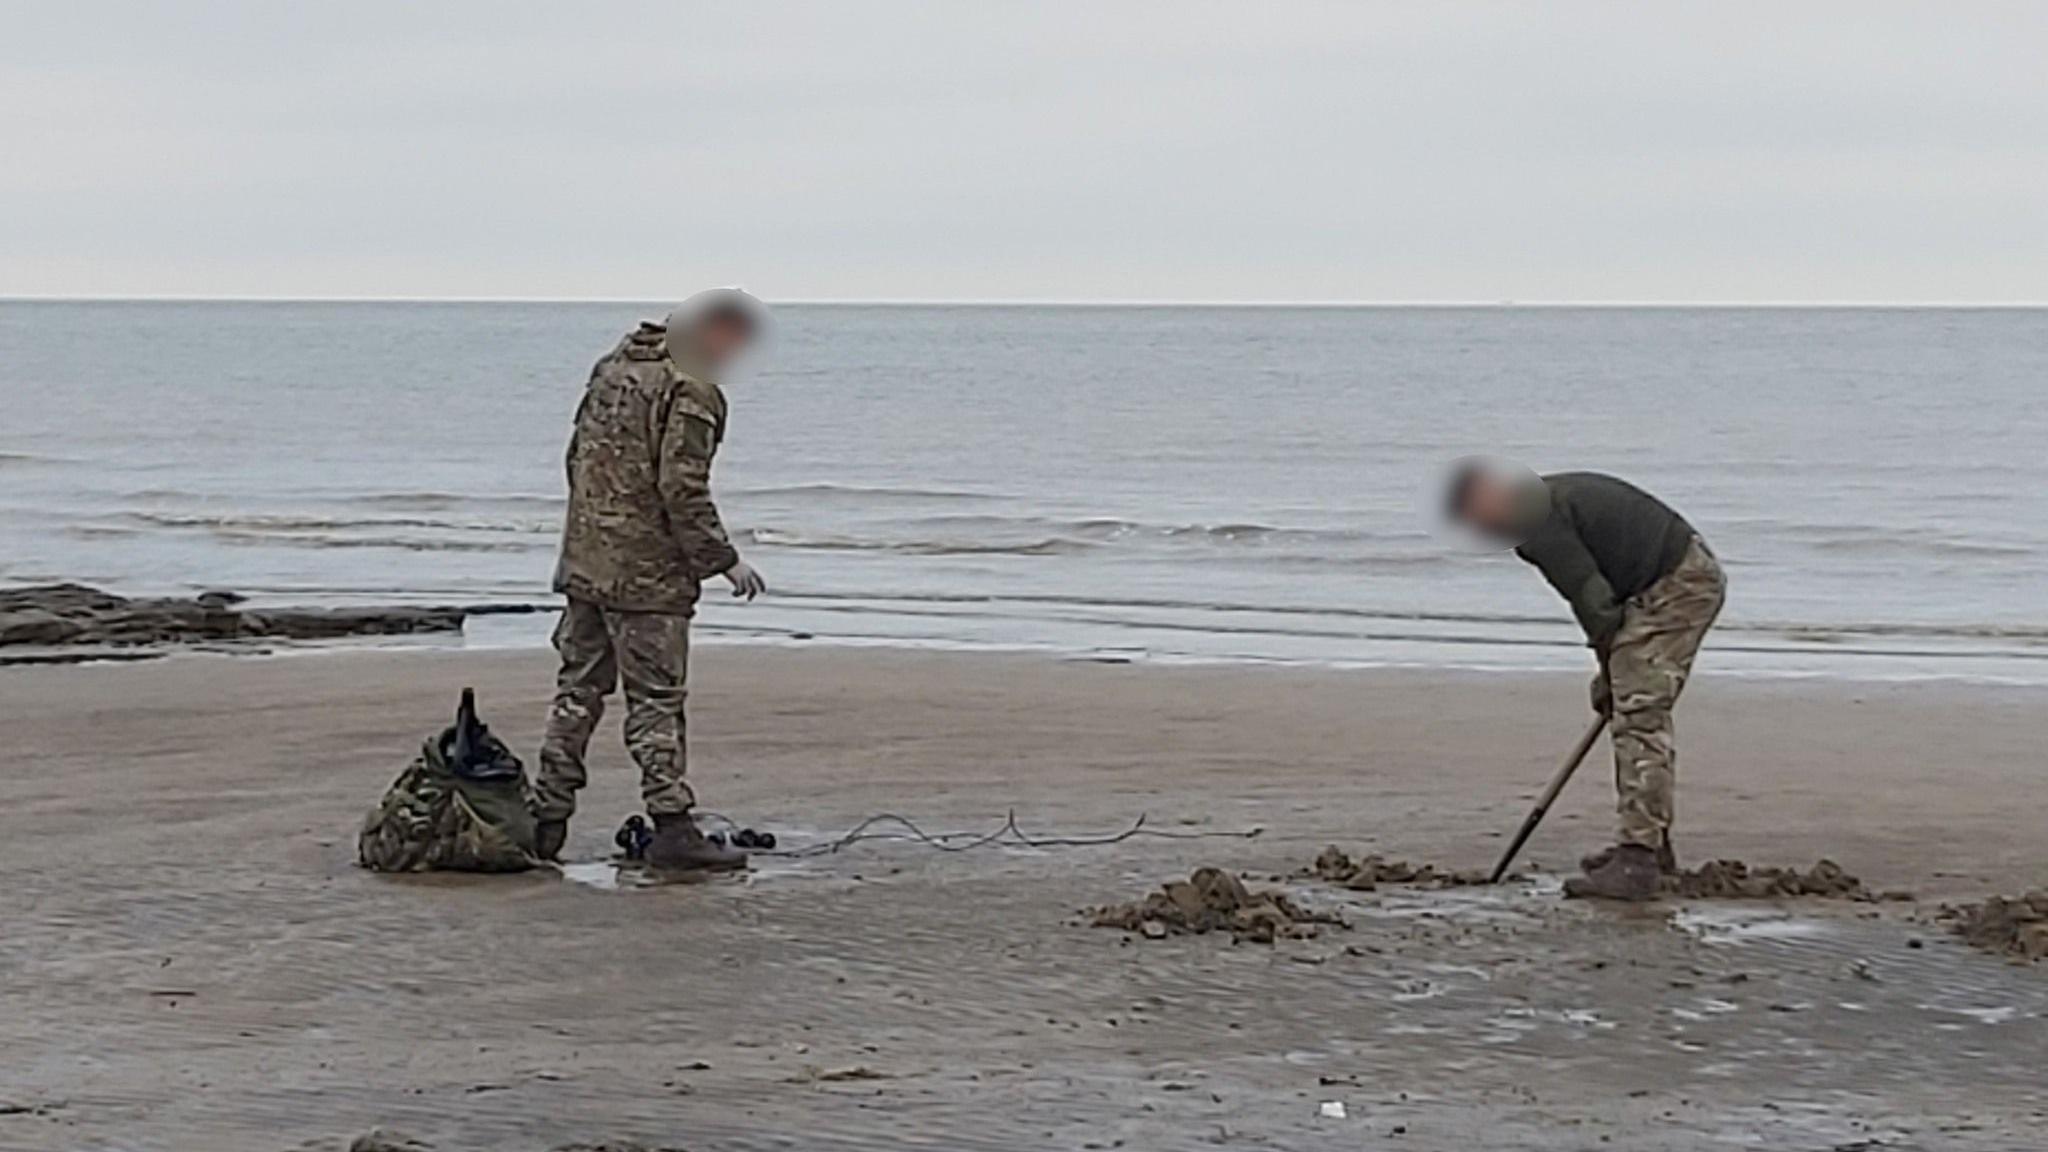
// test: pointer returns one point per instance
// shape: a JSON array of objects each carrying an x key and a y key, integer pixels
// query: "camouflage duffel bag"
[{"x": 463, "y": 805}]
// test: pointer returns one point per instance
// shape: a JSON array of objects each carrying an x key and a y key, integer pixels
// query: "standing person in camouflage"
[
  {"x": 640, "y": 535},
  {"x": 1645, "y": 589}
]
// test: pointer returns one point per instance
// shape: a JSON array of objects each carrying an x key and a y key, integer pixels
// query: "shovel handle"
[{"x": 1550, "y": 791}]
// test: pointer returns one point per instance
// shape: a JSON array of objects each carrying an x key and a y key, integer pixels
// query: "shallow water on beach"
[{"x": 1131, "y": 483}]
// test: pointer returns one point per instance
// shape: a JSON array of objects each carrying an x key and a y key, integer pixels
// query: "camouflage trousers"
[
  {"x": 601, "y": 648},
  {"x": 1647, "y": 666}
]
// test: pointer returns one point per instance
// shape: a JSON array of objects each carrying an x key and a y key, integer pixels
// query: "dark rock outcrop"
[{"x": 67, "y": 615}]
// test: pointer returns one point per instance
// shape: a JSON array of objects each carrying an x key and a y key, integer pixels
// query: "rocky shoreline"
[{"x": 71, "y": 623}]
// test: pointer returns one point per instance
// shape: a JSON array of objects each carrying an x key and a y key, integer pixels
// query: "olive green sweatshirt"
[{"x": 1603, "y": 541}]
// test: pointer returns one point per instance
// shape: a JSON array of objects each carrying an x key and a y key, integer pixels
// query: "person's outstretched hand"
[{"x": 746, "y": 582}]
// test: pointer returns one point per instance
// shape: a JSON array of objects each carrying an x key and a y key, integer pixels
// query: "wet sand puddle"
[
  {"x": 798, "y": 850},
  {"x": 616, "y": 874},
  {"x": 1807, "y": 1021},
  {"x": 1433, "y": 1014}
]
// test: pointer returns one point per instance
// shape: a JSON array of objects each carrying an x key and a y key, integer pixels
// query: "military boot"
[
  {"x": 1629, "y": 872},
  {"x": 1667, "y": 858},
  {"x": 680, "y": 846},
  {"x": 548, "y": 838}
]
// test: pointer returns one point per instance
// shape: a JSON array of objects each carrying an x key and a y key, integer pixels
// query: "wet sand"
[{"x": 190, "y": 958}]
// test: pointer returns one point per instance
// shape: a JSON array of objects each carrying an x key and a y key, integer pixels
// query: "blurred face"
[
  {"x": 720, "y": 338},
  {"x": 1492, "y": 505}
]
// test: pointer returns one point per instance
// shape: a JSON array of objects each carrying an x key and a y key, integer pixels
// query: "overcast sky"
[{"x": 975, "y": 149}]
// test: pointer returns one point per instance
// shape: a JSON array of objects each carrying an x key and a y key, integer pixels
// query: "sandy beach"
[{"x": 191, "y": 958}]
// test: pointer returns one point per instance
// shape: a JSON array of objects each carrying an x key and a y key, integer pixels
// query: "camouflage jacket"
[{"x": 641, "y": 530}]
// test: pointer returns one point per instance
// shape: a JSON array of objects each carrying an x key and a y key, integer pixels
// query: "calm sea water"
[{"x": 1161, "y": 483}]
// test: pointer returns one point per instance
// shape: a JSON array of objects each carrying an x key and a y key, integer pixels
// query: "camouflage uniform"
[
  {"x": 1648, "y": 660},
  {"x": 1646, "y": 589},
  {"x": 640, "y": 534}
]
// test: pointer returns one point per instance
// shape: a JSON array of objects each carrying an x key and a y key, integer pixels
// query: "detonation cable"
[{"x": 1009, "y": 833}]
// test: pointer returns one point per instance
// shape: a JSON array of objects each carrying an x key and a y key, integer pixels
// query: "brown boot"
[
  {"x": 680, "y": 846},
  {"x": 1628, "y": 873},
  {"x": 1667, "y": 858}
]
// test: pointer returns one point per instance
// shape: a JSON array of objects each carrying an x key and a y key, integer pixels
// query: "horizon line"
[{"x": 1056, "y": 302}]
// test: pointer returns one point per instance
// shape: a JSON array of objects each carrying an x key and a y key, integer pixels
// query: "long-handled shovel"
[{"x": 1543, "y": 802}]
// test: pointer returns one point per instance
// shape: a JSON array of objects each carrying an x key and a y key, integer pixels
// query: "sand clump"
[
  {"x": 1213, "y": 900},
  {"x": 1366, "y": 872},
  {"x": 1736, "y": 880},
  {"x": 2009, "y": 926},
  {"x": 1714, "y": 880}
]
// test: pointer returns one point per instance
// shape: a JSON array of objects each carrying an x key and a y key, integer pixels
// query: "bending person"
[{"x": 1645, "y": 588}]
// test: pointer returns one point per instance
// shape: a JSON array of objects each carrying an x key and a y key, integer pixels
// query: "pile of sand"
[
  {"x": 1735, "y": 880},
  {"x": 1714, "y": 880},
  {"x": 1365, "y": 873},
  {"x": 2015, "y": 927},
  {"x": 1212, "y": 900}
]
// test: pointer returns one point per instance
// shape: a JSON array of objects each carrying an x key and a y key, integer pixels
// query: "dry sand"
[{"x": 190, "y": 959}]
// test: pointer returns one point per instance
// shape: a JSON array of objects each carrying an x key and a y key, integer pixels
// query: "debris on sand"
[
  {"x": 378, "y": 1140},
  {"x": 1212, "y": 900},
  {"x": 1367, "y": 872},
  {"x": 2015, "y": 926},
  {"x": 1735, "y": 880},
  {"x": 815, "y": 1075},
  {"x": 73, "y": 615}
]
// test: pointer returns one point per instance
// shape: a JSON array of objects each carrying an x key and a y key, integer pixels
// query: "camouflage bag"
[{"x": 463, "y": 805}]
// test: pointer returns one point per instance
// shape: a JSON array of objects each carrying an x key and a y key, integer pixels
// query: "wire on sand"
[{"x": 888, "y": 826}]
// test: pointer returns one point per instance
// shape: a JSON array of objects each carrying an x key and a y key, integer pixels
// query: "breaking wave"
[
  {"x": 823, "y": 491},
  {"x": 1109, "y": 528},
  {"x": 396, "y": 543},
  {"x": 777, "y": 538},
  {"x": 293, "y": 523},
  {"x": 1806, "y": 632},
  {"x": 443, "y": 501},
  {"x": 1882, "y": 540},
  {"x": 950, "y": 535},
  {"x": 248, "y": 538}
]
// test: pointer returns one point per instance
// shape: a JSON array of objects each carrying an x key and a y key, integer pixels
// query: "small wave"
[
  {"x": 7, "y": 458},
  {"x": 1829, "y": 633},
  {"x": 443, "y": 501},
  {"x": 1918, "y": 546},
  {"x": 1113, "y": 528},
  {"x": 1808, "y": 632},
  {"x": 966, "y": 535},
  {"x": 864, "y": 492},
  {"x": 775, "y": 538},
  {"x": 100, "y": 531},
  {"x": 1876, "y": 539},
  {"x": 1174, "y": 604},
  {"x": 396, "y": 543},
  {"x": 289, "y": 523}
]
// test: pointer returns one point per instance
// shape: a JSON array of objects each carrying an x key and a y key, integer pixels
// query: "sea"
[{"x": 1163, "y": 484}]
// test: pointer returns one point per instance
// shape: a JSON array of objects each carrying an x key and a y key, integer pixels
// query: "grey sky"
[{"x": 983, "y": 150}]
